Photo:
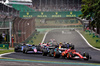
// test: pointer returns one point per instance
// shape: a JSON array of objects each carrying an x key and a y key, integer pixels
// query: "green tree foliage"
[{"x": 91, "y": 9}]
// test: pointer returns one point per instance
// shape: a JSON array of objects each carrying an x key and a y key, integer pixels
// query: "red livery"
[{"x": 73, "y": 54}]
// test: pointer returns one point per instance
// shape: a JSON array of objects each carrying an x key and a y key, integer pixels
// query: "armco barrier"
[{"x": 4, "y": 46}]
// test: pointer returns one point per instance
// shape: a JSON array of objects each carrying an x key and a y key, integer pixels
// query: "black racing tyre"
[
  {"x": 38, "y": 48},
  {"x": 44, "y": 52},
  {"x": 63, "y": 57},
  {"x": 72, "y": 46},
  {"x": 23, "y": 51},
  {"x": 56, "y": 54},
  {"x": 86, "y": 55},
  {"x": 16, "y": 50}
]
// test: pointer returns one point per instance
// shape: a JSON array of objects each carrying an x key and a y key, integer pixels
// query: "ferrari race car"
[
  {"x": 73, "y": 54},
  {"x": 58, "y": 51}
]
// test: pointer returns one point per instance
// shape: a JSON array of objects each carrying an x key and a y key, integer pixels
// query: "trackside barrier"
[
  {"x": 4, "y": 46},
  {"x": 72, "y": 26}
]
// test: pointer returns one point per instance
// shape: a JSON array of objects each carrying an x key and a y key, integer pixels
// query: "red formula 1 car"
[{"x": 73, "y": 54}]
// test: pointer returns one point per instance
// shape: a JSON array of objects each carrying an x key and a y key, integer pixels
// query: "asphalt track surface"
[{"x": 62, "y": 35}]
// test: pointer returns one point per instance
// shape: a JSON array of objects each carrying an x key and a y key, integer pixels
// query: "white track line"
[
  {"x": 87, "y": 41},
  {"x": 44, "y": 36},
  {"x": 6, "y": 54}
]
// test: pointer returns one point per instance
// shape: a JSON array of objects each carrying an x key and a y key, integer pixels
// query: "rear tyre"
[
  {"x": 15, "y": 50},
  {"x": 56, "y": 54},
  {"x": 23, "y": 51},
  {"x": 38, "y": 48},
  {"x": 63, "y": 57},
  {"x": 72, "y": 46},
  {"x": 44, "y": 52},
  {"x": 86, "y": 55}
]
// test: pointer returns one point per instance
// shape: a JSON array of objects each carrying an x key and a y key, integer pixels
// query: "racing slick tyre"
[
  {"x": 63, "y": 56},
  {"x": 23, "y": 51},
  {"x": 51, "y": 53},
  {"x": 72, "y": 46},
  {"x": 15, "y": 50},
  {"x": 38, "y": 48},
  {"x": 69, "y": 55},
  {"x": 44, "y": 52},
  {"x": 86, "y": 55},
  {"x": 56, "y": 54}
]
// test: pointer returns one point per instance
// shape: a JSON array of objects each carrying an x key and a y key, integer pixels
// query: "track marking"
[
  {"x": 50, "y": 62},
  {"x": 5, "y": 54},
  {"x": 63, "y": 32},
  {"x": 44, "y": 36},
  {"x": 87, "y": 41}
]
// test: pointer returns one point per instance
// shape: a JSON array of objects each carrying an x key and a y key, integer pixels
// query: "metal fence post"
[{"x": 10, "y": 30}]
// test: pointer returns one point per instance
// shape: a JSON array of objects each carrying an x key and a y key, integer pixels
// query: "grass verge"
[
  {"x": 91, "y": 39},
  {"x": 6, "y": 51},
  {"x": 37, "y": 38}
]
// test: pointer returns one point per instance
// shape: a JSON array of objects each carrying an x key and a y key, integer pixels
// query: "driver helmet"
[
  {"x": 67, "y": 42},
  {"x": 33, "y": 45}
]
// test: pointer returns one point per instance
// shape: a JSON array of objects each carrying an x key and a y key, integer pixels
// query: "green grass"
[
  {"x": 2, "y": 48},
  {"x": 91, "y": 39},
  {"x": 36, "y": 39},
  {"x": 6, "y": 51}
]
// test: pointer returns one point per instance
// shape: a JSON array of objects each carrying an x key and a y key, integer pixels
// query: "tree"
[
  {"x": 97, "y": 16},
  {"x": 91, "y": 11}
]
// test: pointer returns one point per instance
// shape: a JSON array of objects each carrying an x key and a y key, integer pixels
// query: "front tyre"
[
  {"x": 86, "y": 55},
  {"x": 15, "y": 50}
]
